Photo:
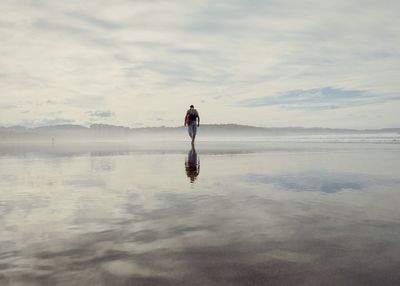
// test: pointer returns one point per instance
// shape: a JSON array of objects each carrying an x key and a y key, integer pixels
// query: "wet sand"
[{"x": 237, "y": 213}]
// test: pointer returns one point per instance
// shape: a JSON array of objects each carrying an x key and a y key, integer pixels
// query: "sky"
[{"x": 140, "y": 63}]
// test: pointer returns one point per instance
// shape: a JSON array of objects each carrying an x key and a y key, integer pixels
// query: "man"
[{"x": 192, "y": 120}]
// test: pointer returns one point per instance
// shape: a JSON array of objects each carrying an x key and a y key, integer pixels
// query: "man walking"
[{"x": 192, "y": 120}]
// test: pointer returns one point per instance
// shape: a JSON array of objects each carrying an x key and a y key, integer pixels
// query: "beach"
[{"x": 242, "y": 213}]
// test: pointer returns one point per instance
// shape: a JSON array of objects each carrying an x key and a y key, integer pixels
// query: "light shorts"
[{"x": 192, "y": 128}]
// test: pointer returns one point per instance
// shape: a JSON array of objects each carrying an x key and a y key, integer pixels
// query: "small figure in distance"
[{"x": 192, "y": 120}]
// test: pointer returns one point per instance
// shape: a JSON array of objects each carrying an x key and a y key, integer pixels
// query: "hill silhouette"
[{"x": 105, "y": 131}]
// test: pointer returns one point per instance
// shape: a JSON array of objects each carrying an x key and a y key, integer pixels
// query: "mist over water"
[{"x": 227, "y": 213}]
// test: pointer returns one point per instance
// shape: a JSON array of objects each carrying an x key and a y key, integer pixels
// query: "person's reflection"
[{"x": 192, "y": 165}]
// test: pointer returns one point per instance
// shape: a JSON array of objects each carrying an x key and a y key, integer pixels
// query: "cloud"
[
  {"x": 55, "y": 121},
  {"x": 95, "y": 21},
  {"x": 101, "y": 113},
  {"x": 82, "y": 100},
  {"x": 49, "y": 25},
  {"x": 162, "y": 53},
  {"x": 318, "y": 99},
  {"x": 8, "y": 106}
]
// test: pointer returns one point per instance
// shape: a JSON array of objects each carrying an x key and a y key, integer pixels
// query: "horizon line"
[{"x": 208, "y": 124}]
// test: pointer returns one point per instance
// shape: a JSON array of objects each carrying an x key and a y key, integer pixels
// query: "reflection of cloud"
[
  {"x": 319, "y": 181},
  {"x": 100, "y": 165},
  {"x": 86, "y": 183},
  {"x": 318, "y": 99},
  {"x": 139, "y": 228},
  {"x": 215, "y": 241}
]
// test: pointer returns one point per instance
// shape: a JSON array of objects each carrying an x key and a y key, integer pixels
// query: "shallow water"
[{"x": 233, "y": 214}]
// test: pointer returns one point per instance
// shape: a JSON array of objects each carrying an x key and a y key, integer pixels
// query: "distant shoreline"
[{"x": 219, "y": 130}]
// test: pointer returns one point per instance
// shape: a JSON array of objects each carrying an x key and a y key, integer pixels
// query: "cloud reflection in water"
[
  {"x": 317, "y": 181},
  {"x": 135, "y": 219}
]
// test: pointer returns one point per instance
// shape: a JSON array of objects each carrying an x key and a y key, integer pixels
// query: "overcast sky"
[{"x": 258, "y": 62}]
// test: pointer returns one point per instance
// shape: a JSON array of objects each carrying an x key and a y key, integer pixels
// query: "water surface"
[{"x": 237, "y": 214}]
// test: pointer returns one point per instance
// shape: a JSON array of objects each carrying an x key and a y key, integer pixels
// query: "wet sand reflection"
[{"x": 277, "y": 218}]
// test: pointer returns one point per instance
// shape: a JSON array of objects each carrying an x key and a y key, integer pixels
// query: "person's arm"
[
  {"x": 187, "y": 113},
  {"x": 198, "y": 119}
]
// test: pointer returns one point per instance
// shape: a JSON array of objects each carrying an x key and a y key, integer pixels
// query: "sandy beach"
[{"x": 248, "y": 214}]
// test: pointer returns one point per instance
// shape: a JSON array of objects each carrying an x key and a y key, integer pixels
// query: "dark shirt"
[{"x": 191, "y": 115}]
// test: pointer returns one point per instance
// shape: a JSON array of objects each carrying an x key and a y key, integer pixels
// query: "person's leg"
[
  {"x": 190, "y": 131},
  {"x": 194, "y": 126}
]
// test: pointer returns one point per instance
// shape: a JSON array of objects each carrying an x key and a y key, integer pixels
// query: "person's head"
[{"x": 191, "y": 106}]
